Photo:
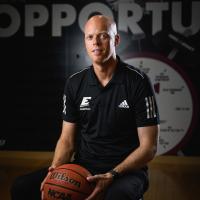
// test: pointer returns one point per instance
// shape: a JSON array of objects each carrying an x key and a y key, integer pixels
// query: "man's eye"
[
  {"x": 104, "y": 36},
  {"x": 89, "y": 37}
]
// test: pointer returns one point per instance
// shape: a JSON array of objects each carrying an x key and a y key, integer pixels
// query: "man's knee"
[
  {"x": 117, "y": 192},
  {"x": 128, "y": 188},
  {"x": 26, "y": 185},
  {"x": 19, "y": 187}
]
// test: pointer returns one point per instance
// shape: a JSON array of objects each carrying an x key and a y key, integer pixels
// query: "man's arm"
[
  {"x": 148, "y": 137},
  {"x": 138, "y": 158},
  {"x": 64, "y": 149},
  {"x": 65, "y": 145}
]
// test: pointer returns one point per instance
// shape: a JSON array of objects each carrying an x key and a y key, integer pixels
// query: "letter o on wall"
[{"x": 15, "y": 20}]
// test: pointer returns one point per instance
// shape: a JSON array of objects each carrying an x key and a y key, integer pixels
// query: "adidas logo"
[{"x": 123, "y": 104}]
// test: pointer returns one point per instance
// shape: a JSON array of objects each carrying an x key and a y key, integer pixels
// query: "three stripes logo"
[
  {"x": 150, "y": 106},
  {"x": 123, "y": 104}
]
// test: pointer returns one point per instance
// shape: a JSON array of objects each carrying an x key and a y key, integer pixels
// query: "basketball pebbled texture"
[{"x": 68, "y": 182}]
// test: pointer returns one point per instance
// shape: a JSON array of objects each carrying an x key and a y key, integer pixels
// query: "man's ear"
[{"x": 117, "y": 40}]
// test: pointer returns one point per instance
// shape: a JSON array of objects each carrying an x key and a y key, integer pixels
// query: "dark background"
[{"x": 34, "y": 71}]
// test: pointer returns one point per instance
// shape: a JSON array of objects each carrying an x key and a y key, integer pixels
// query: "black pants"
[
  {"x": 128, "y": 187},
  {"x": 27, "y": 187}
]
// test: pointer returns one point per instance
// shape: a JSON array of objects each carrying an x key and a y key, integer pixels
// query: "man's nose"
[{"x": 96, "y": 40}]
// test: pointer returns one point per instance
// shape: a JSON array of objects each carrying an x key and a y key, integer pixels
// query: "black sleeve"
[
  {"x": 70, "y": 112},
  {"x": 145, "y": 106}
]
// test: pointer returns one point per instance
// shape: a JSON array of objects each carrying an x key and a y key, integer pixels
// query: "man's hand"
[
  {"x": 102, "y": 182},
  {"x": 42, "y": 184}
]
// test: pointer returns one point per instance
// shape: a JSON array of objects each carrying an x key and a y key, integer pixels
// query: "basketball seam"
[{"x": 67, "y": 188}]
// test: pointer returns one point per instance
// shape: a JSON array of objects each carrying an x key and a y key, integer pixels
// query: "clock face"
[{"x": 174, "y": 99}]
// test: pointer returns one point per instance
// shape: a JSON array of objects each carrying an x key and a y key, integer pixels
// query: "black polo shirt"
[{"x": 108, "y": 116}]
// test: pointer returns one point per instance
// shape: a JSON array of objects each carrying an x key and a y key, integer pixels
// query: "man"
[
  {"x": 104, "y": 101},
  {"x": 110, "y": 107}
]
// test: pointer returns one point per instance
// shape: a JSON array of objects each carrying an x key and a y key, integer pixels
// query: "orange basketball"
[{"x": 68, "y": 182}]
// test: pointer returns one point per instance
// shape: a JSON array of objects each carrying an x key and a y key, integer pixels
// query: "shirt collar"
[{"x": 117, "y": 76}]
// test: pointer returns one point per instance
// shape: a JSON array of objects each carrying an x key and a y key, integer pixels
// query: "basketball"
[{"x": 68, "y": 182}]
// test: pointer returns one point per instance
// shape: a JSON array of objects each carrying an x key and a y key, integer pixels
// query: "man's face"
[{"x": 100, "y": 40}]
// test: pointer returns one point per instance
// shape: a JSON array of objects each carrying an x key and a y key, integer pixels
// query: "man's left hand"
[{"x": 102, "y": 181}]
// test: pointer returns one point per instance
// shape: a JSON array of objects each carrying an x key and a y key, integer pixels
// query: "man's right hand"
[{"x": 42, "y": 184}]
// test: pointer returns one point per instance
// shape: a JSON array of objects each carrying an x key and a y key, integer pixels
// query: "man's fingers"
[
  {"x": 94, "y": 178},
  {"x": 42, "y": 186},
  {"x": 93, "y": 194},
  {"x": 42, "y": 195}
]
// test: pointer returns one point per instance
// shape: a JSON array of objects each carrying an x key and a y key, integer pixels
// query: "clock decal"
[{"x": 174, "y": 94}]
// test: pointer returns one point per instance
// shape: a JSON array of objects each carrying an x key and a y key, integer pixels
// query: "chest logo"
[
  {"x": 85, "y": 103},
  {"x": 123, "y": 104}
]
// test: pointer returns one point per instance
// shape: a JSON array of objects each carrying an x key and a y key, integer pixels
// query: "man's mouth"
[{"x": 97, "y": 51}]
